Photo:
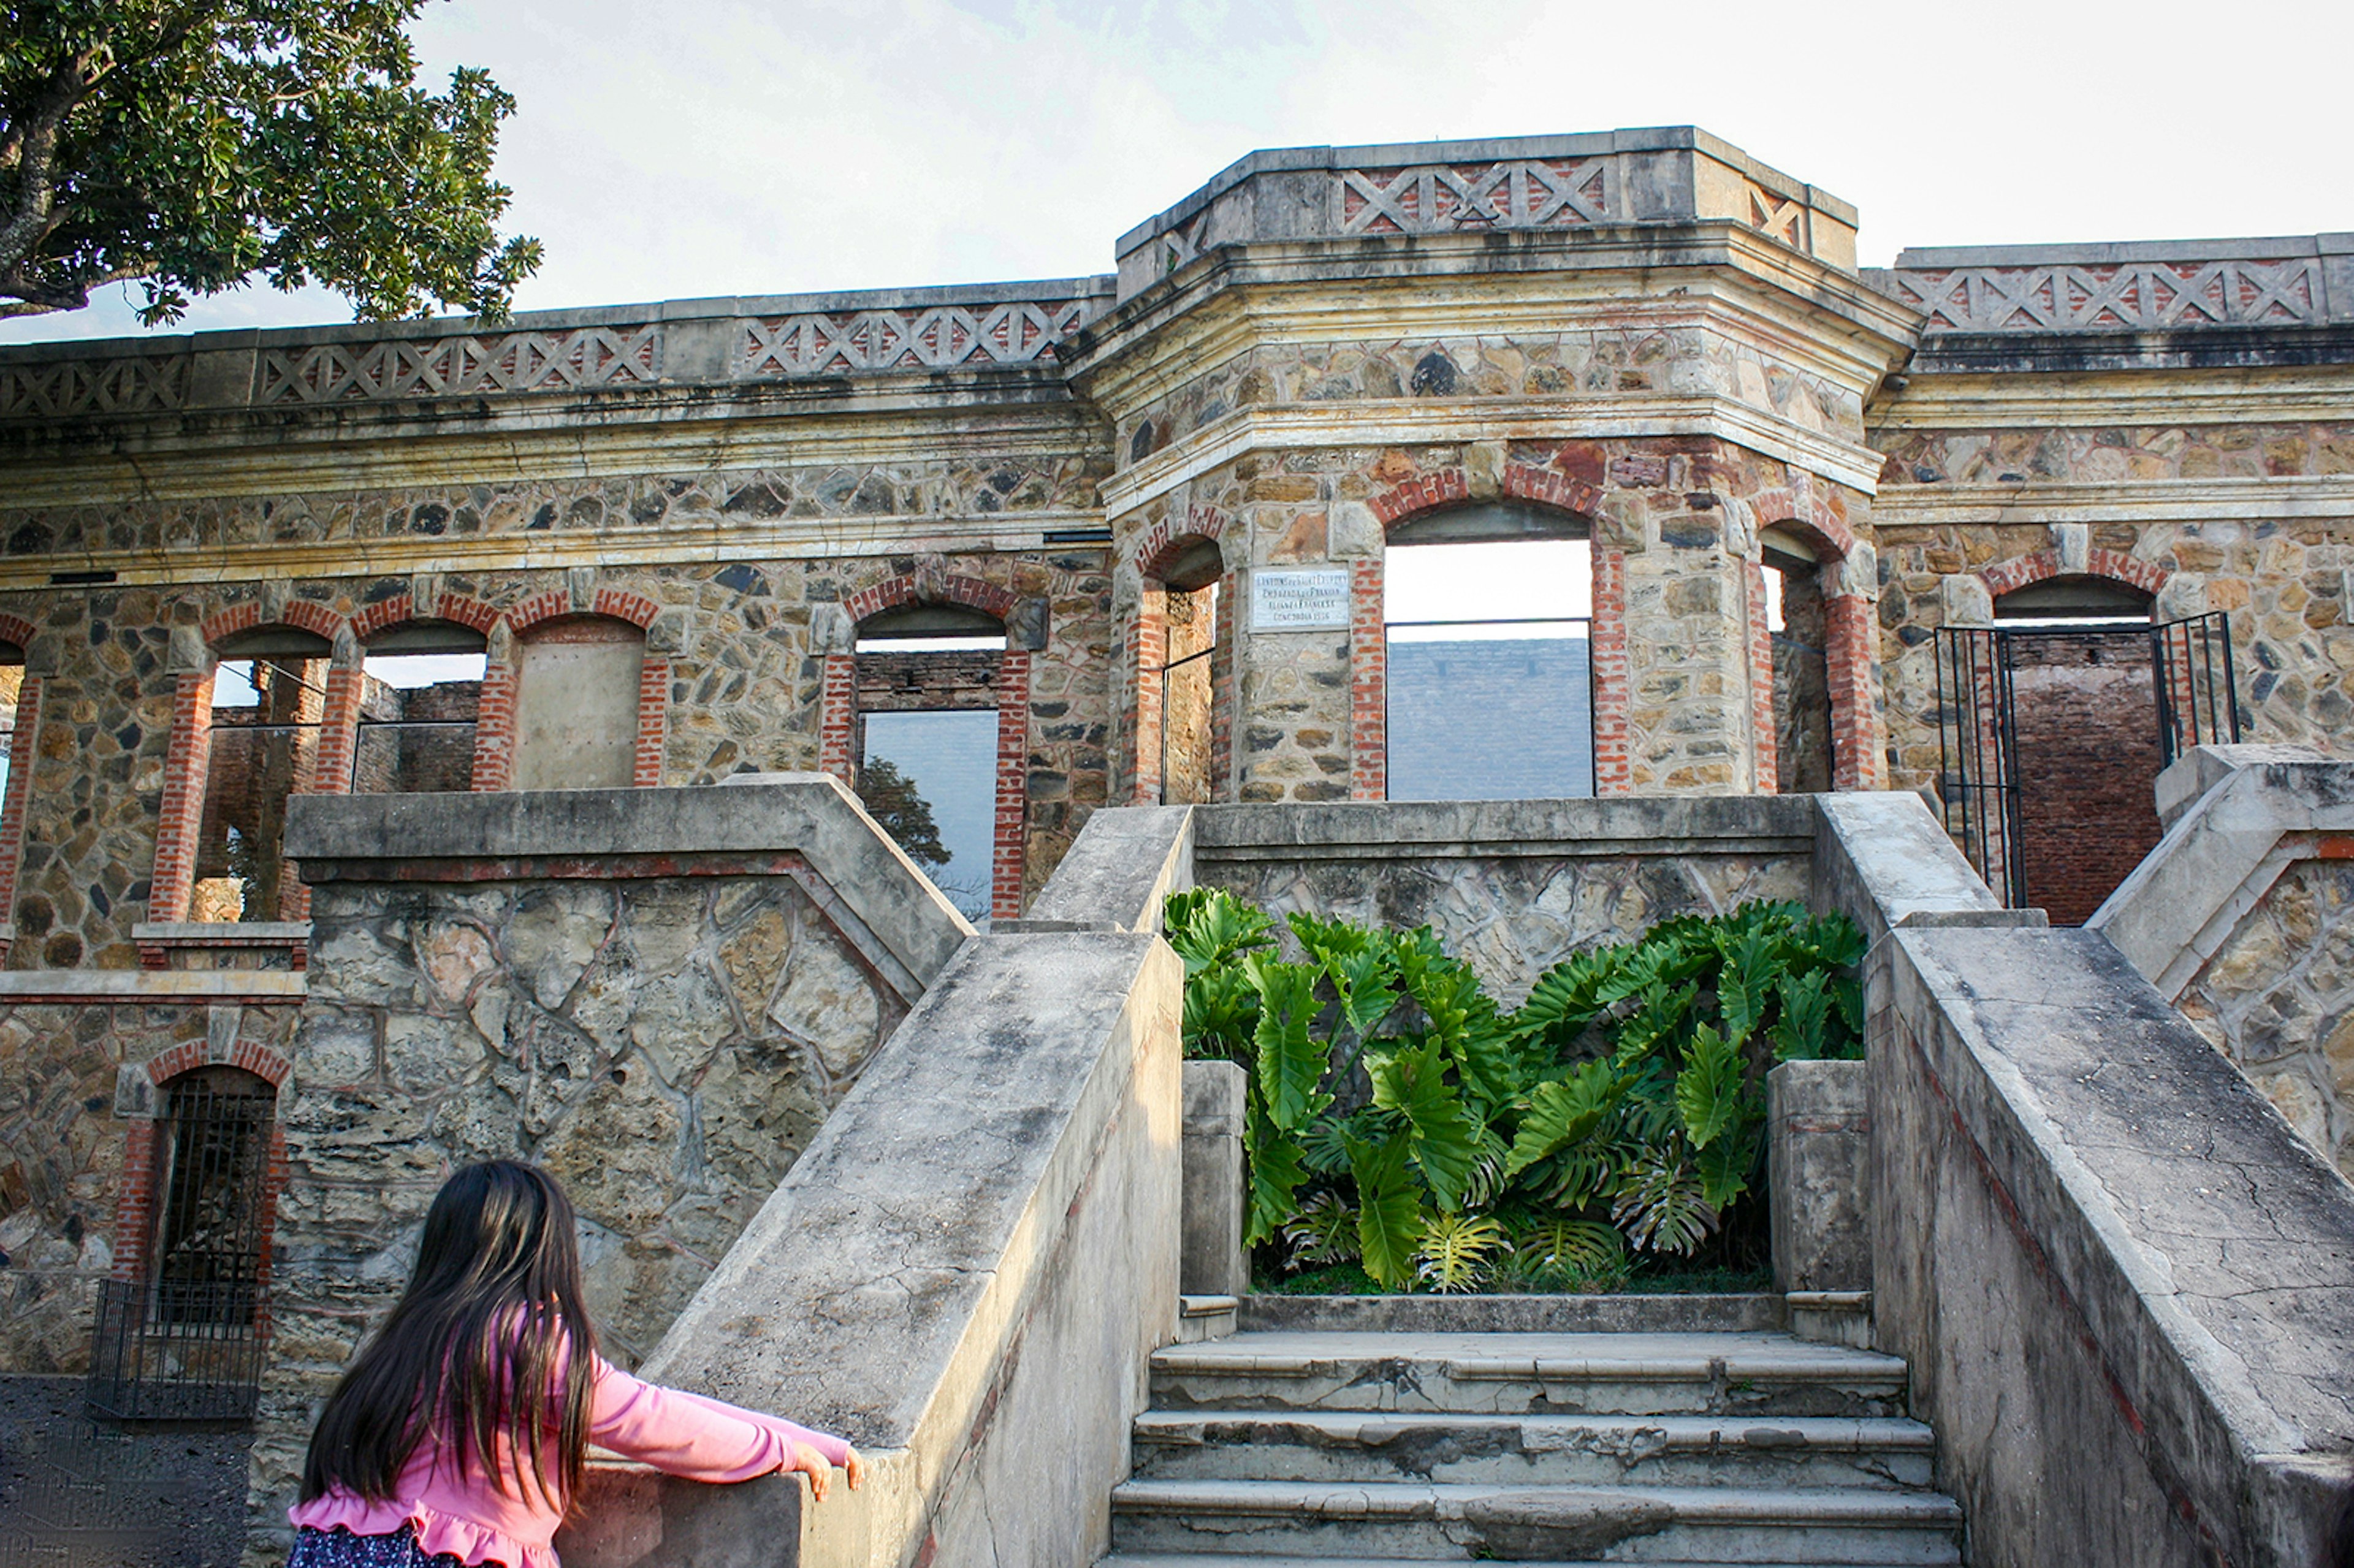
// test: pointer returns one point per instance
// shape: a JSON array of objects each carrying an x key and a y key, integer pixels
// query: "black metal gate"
[
  {"x": 185, "y": 1342},
  {"x": 1977, "y": 731}
]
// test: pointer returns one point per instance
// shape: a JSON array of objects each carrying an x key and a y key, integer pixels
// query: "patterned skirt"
[{"x": 339, "y": 1547}]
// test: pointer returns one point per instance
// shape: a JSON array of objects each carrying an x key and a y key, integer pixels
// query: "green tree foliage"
[
  {"x": 189, "y": 144},
  {"x": 890, "y": 798},
  {"x": 1398, "y": 1118}
]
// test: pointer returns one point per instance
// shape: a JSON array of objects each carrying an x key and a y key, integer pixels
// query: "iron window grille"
[
  {"x": 186, "y": 1340},
  {"x": 1977, "y": 731}
]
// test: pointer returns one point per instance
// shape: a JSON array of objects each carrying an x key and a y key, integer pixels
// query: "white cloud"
[{"x": 727, "y": 146}]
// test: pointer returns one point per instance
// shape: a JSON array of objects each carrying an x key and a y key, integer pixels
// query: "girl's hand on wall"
[
  {"x": 813, "y": 1464},
  {"x": 855, "y": 1468}
]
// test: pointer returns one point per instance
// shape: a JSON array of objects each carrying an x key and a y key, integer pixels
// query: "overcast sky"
[{"x": 699, "y": 147}]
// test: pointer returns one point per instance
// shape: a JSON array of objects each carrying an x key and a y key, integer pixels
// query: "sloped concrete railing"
[
  {"x": 2125, "y": 1286},
  {"x": 967, "y": 1270}
]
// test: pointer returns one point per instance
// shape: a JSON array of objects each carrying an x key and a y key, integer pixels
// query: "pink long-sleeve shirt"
[{"x": 469, "y": 1517}]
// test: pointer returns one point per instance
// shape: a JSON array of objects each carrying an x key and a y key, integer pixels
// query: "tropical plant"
[
  {"x": 189, "y": 144},
  {"x": 1396, "y": 1117}
]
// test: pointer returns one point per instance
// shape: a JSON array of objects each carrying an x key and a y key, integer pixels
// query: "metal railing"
[{"x": 2196, "y": 687}]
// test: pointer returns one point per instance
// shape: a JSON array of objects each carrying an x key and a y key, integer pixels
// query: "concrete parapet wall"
[
  {"x": 968, "y": 1286},
  {"x": 1512, "y": 887},
  {"x": 2118, "y": 1277}
]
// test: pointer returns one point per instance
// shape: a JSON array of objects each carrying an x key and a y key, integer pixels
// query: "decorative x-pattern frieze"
[
  {"x": 2142, "y": 296},
  {"x": 1439, "y": 198},
  {"x": 453, "y": 367},
  {"x": 67, "y": 387},
  {"x": 1008, "y": 332},
  {"x": 1777, "y": 218}
]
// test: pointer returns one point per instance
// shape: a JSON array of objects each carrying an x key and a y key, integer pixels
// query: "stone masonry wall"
[
  {"x": 1673, "y": 524},
  {"x": 2277, "y": 997},
  {"x": 665, "y": 1047},
  {"x": 1512, "y": 917},
  {"x": 744, "y": 697},
  {"x": 61, "y": 1155}
]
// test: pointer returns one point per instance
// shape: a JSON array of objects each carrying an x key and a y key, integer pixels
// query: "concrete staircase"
[{"x": 1658, "y": 1448}]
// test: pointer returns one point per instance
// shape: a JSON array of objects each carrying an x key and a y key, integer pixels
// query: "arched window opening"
[
  {"x": 268, "y": 702},
  {"x": 12, "y": 686},
  {"x": 183, "y": 1337},
  {"x": 925, "y": 741},
  {"x": 576, "y": 701},
  {"x": 1799, "y": 626},
  {"x": 1188, "y": 592},
  {"x": 420, "y": 698},
  {"x": 1489, "y": 612}
]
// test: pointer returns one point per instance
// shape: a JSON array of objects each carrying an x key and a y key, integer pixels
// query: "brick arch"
[
  {"x": 1441, "y": 490},
  {"x": 1143, "y": 636},
  {"x": 1165, "y": 540},
  {"x": 653, "y": 673},
  {"x": 400, "y": 607},
  {"x": 2008, "y": 577},
  {"x": 930, "y": 587},
  {"x": 838, "y": 711},
  {"x": 1810, "y": 516},
  {"x": 19, "y": 793},
  {"x": 301, "y": 614},
  {"x": 190, "y": 1054},
  {"x": 1849, "y": 635}
]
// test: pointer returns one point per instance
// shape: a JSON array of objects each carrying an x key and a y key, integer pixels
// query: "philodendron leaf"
[
  {"x": 1708, "y": 1090},
  {"x": 1661, "y": 1208},
  {"x": 1745, "y": 982},
  {"x": 1724, "y": 1165},
  {"x": 1805, "y": 1021},
  {"x": 1444, "y": 1137},
  {"x": 1454, "y": 1251},
  {"x": 1291, "y": 1060},
  {"x": 1207, "y": 925},
  {"x": 1564, "y": 1112},
  {"x": 1389, "y": 1208},
  {"x": 1275, "y": 1173}
]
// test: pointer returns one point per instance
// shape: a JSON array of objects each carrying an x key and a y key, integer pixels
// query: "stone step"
[
  {"x": 1225, "y": 1560},
  {"x": 1541, "y": 1450},
  {"x": 1201, "y": 1318},
  {"x": 1749, "y": 1375},
  {"x": 1821, "y": 1526},
  {"x": 1746, "y": 1313}
]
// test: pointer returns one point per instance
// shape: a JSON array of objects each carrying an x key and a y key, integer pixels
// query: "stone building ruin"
[{"x": 2013, "y": 529}]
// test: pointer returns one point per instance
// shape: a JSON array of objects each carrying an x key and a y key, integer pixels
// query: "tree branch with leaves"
[{"x": 189, "y": 146}]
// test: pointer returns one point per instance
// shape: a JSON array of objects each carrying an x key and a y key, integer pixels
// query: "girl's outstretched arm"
[{"x": 687, "y": 1434}]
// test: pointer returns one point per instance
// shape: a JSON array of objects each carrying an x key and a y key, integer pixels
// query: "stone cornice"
[
  {"x": 1317, "y": 291},
  {"x": 2129, "y": 501},
  {"x": 1424, "y": 421},
  {"x": 198, "y": 469},
  {"x": 671, "y": 542},
  {"x": 1997, "y": 401}
]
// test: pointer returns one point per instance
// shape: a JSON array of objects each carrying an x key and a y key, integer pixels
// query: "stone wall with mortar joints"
[
  {"x": 744, "y": 697},
  {"x": 636, "y": 507},
  {"x": 1681, "y": 511},
  {"x": 2277, "y": 997},
  {"x": 665, "y": 1047},
  {"x": 2113, "y": 454},
  {"x": 61, "y": 1153},
  {"x": 2282, "y": 583},
  {"x": 1630, "y": 355}
]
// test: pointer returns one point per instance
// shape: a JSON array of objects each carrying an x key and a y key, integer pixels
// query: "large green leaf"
[
  {"x": 1444, "y": 1137},
  {"x": 1565, "y": 1112},
  {"x": 1207, "y": 925},
  {"x": 1724, "y": 1165},
  {"x": 1661, "y": 1208},
  {"x": 1275, "y": 1173},
  {"x": 1221, "y": 1014},
  {"x": 1708, "y": 1090},
  {"x": 1291, "y": 1060},
  {"x": 1745, "y": 983},
  {"x": 1389, "y": 1208},
  {"x": 1803, "y": 1026}
]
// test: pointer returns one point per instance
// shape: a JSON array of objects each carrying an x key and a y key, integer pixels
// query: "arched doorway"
[{"x": 1487, "y": 620}]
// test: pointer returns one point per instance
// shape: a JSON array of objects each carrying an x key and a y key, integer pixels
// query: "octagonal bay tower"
[{"x": 1644, "y": 341}]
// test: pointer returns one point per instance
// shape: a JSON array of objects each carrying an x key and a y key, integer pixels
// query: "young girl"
[{"x": 460, "y": 1433}]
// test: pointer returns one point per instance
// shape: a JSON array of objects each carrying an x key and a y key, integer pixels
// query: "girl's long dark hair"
[{"x": 473, "y": 1348}]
